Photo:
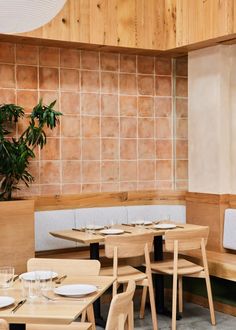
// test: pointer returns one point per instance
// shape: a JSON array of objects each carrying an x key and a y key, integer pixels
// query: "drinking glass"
[
  {"x": 30, "y": 288},
  {"x": 46, "y": 282},
  {"x": 89, "y": 228},
  {"x": 6, "y": 276}
]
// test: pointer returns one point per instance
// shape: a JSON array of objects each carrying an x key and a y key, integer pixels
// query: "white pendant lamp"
[{"x": 18, "y": 16}]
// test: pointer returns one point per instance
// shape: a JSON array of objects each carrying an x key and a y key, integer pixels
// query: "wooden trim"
[
  {"x": 208, "y": 198},
  {"x": 60, "y": 202}
]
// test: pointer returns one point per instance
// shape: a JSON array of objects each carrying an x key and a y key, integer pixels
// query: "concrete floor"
[{"x": 194, "y": 318}]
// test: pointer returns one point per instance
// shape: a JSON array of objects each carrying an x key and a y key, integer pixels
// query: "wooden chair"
[
  {"x": 121, "y": 310},
  {"x": 177, "y": 241},
  {"x": 71, "y": 267},
  {"x": 3, "y": 325},
  {"x": 125, "y": 247}
]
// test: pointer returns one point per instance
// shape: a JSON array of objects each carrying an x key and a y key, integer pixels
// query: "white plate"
[
  {"x": 94, "y": 227},
  {"x": 41, "y": 274},
  {"x": 112, "y": 231},
  {"x": 6, "y": 301},
  {"x": 165, "y": 226},
  {"x": 147, "y": 223},
  {"x": 138, "y": 222},
  {"x": 77, "y": 290}
]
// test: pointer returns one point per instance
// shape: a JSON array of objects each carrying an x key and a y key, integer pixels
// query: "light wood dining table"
[
  {"x": 95, "y": 239},
  {"x": 60, "y": 310}
]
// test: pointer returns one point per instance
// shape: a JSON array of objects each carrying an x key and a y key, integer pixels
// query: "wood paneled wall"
[{"x": 140, "y": 24}]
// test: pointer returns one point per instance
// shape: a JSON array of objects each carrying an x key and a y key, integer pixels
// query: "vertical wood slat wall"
[{"x": 152, "y": 24}]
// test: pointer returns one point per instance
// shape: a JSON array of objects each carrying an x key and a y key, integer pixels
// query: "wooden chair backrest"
[
  {"x": 3, "y": 325},
  {"x": 187, "y": 239},
  {"x": 70, "y": 267},
  {"x": 120, "y": 307},
  {"x": 128, "y": 246}
]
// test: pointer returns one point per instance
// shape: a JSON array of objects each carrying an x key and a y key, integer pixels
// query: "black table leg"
[
  {"x": 94, "y": 254},
  {"x": 159, "y": 279},
  {"x": 17, "y": 326}
]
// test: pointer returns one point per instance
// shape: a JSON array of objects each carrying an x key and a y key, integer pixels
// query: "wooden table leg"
[
  {"x": 159, "y": 279},
  {"x": 94, "y": 254}
]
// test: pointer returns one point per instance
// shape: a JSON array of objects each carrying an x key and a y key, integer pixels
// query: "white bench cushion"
[
  {"x": 176, "y": 213},
  {"x": 47, "y": 221},
  {"x": 229, "y": 239}
]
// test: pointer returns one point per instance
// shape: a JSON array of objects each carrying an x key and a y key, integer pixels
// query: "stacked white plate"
[
  {"x": 165, "y": 226},
  {"x": 75, "y": 290}
]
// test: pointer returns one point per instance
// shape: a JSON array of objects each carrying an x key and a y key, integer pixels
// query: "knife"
[{"x": 20, "y": 303}]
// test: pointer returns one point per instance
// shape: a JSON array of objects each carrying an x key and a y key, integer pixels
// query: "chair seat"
[
  {"x": 185, "y": 267},
  {"x": 72, "y": 326},
  {"x": 125, "y": 274}
]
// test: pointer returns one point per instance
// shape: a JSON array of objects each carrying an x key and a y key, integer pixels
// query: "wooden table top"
[
  {"x": 88, "y": 238},
  {"x": 60, "y": 311}
]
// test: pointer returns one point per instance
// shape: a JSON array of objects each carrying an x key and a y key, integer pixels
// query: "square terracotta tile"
[
  {"x": 164, "y": 170},
  {"x": 7, "y": 52},
  {"x": 91, "y": 171},
  {"x": 27, "y": 99},
  {"x": 128, "y": 170},
  {"x": 182, "y": 129},
  {"x": 145, "y": 106},
  {"x": 181, "y": 107},
  {"x": 164, "y": 149},
  {"x": 163, "y": 128},
  {"x": 146, "y": 185},
  {"x": 145, "y": 85},
  {"x": 128, "y": 127},
  {"x": 32, "y": 190},
  {"x": 70, "y": 103},
  {"x": 109, "y": 187},
  {"x": 8, "y": 96},
  {"x": 7, "y": 74},
  {"x": 163, "y": 86},
  {"x": 110, "y": 148},
  {"x": 55, "y": 132},
  {"x": 128, "y": 186},
  {"x": 146, "y": 149},
  {"x": 181, "y": 185},
  {"x": 90, "y": 104},
  {"x": 70, "y": 126},
  {"x": 109, "y": 82},
  {"x": 145, "y": 64},
  {"x": 51, "y": 151},
  {"x": 128, "y": 105},
  {"x": 90, "y": 126},
  {"x": 163, "y": 106},
  {"x": 50, "y": 189},
  {"x": 110, "y": 127},
  {"x": 164, "y": 185},
  {"x": 182, "y": 87},
  {"x": 182, "y": 169},
  {"x": 128, "y": 149},
  {"x": 50, "y": 96},
  {"x": 128, "y": 63},
  {"x": 145, "y": 127},
  {"x": 49, "y": 172},
  {"x": 89, "y": 60},
  {"x": 182, "y": 66},
  {"x": 49, "y": 56},
  {"x": 69, "y": 80},
  {"x": 71, "y": 189},
  {"x": 163, "y": 66},
  {"x": 109, "y": 105},
  {"x": 91, "y": 188},
  {"x": 110, "y": 171},
  {"x": 71, "y": 171},
  {"x": 48, "y": 78},
  {"x": 70, "y": 149},
  {"x": 90, "y": 149},
  {"x": 90, "y": 81},
  {"x": 128, "y": 84},
  {"x": 181, "y": 149},
  {"x": 26, "y": 54},
  {"x": 146, "y": 170},
  {"x": 69, "y": 58},
  {"x": 109, "y": 61}
]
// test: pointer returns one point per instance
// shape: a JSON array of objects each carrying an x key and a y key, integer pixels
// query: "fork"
[
  {"x": 60, "y": 279},
  {"x": 63, "y": 299}
]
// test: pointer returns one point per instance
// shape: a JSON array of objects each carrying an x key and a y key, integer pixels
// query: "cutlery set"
[{"x": 18, "y": 305}]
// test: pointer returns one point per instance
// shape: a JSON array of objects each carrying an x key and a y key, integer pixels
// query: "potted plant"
[{"x": 17, "y": 216}]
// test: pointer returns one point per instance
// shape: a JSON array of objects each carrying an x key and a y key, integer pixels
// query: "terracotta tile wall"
[{"x": 119, "y": 131}]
